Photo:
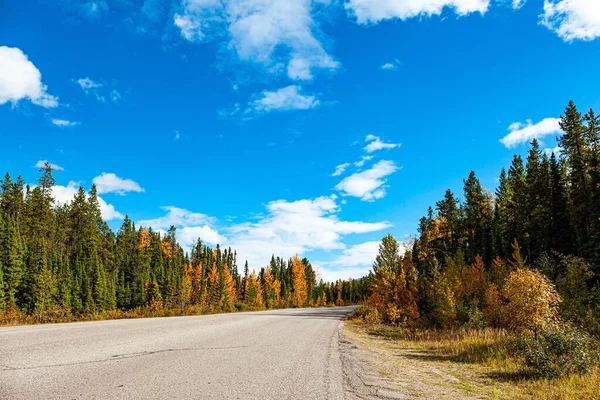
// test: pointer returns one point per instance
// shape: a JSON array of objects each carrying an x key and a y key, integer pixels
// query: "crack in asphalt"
[{"x": 117, "y": 357}]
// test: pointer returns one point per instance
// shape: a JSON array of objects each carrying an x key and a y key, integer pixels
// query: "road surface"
[{"x": 279, "y": 354}]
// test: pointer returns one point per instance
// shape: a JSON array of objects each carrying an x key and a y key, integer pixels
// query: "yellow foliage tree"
[
  {"x": 228, "y": 295},
  {"x": 144, "y": 238},
  {"x": 531, "y": 301},
  {"x": 212, "y": 286},
  {"x": 299, "y": 282},
  {"x": 254, "y": 295},
  {"x": 477, "y": 284},
  {"x": 185, "y": 289},
  {"x": 197, "y": 284},
  {"x": 272, "y": 289}
]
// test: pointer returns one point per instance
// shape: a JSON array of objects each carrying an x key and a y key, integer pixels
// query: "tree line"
[
  {"x": 519, "y": 258},
  {"x": 62, "y": 262}
]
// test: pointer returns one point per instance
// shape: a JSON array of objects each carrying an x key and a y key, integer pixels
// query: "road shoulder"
[{"x": 376, "y": 368}]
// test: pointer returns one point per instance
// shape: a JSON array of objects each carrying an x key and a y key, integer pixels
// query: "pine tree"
[
  {"x": 560, "y": 227},
  {"x": 576, "y": 148}
]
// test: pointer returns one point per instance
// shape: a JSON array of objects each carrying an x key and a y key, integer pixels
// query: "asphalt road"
[{"x": 280, "y": 354}]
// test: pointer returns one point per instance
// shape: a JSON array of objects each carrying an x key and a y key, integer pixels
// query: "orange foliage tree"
[{"x": 299, "y": 282}]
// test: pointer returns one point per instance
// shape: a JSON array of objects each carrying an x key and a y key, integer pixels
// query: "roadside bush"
[
  {"x": 531, "y": 301},
  {"x": 559, "y": 351},
  {"x": 368, "y": 314}
]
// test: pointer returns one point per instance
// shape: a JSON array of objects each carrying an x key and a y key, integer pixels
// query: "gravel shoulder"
[{"x": 377, "y": 368}]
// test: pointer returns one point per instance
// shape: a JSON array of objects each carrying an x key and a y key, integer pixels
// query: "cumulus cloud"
[
  {"x": 524, "y": 132},
  {"x": 111, "y": 183},
  {"x": 340, "y": 169},
  {"x": 353, "y": 262},
  {"x": 263, "y": 32},
  {"x": 64, "y": 123},
  {"x": 189, "y": 27},
  {"x": 20, "y": 79},
  {"x": 42, "y": 164},
  {"x": 368, "y": 185},
  {"x": 292, "y": 227},
  {"x": 572, "y": 19},
  {"x": 374, "y": 11},
  {"x": 375, "y": 144},
  {"x": 65, "y": 194},
  {"x": 284, "y": 99},
  {"x": 362, "y": 254},
  {"x": 190, "y": 226}
]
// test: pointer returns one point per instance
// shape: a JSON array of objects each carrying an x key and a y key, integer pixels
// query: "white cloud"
[
  {"x": 353, "y": 262},
  {"x": 374, "y": 11},
  {"x": 368, "y": 185},
  {"x": 95, "y": 8},
  {"x": 64, "y": 123},
  {"x": 20, "y": 79},
  {"x": 362, "y": 161},
  {"x": 264, "y": 32},
  {"x": 189, "y": 26},
  {"x": 284, "y": 99},
  {"x": 516, "y": 4},
  {"x": 340, "y": 169},
  {"x": 115, "y": 96},
  {"x": 557, "y": 151},
  {"x": 572, "y": 19},
  {"x": 42, "y": 164},
  {"x": 87, "y": 84},
  {"x": 525, "y": 132},
  {"x": 190, "y": 226},
  {"x": 375, "y": 144},
  {"x": 362, "y": 254},
  {"x": 64, "y": 194},
  {"x": 111, "y": 183},
  {"x": 391, "y": 66},
  {"x": 178, "y": 217},
  {"x": 90, "y": 86},
  {"x": 295, "y": 227}
]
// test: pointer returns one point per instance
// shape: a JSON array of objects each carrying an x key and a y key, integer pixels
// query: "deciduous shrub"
[
  {"x": 559, "y": 351},
  {"x": 531, "y": 301}
]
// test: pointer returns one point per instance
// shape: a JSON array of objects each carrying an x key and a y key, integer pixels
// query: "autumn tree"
[{"x": 299, "y": 282}]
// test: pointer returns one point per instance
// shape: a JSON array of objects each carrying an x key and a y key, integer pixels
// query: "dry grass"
[{"x": 487, "y": 358}]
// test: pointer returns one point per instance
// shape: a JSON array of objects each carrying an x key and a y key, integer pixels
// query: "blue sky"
[{"x": 309, "y": 126}]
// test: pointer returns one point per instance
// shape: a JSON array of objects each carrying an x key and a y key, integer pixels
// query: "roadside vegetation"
[
  {"x": 509, "y": 282},
  {"x": 61, "y": 262}
]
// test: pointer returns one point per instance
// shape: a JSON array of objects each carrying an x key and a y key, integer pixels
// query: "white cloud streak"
[
  {"x": 284, "y": 99},
  {"x": 375, "y": 143},
  {"x": 64, "y": 123},
  {"x": 111, "y": 183},
  {"x": 42, "y": 164},
  {"x": 525, "y": 132},
  {"x": 374, "y": 11},
  {"x": 340, "y": 169}
]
